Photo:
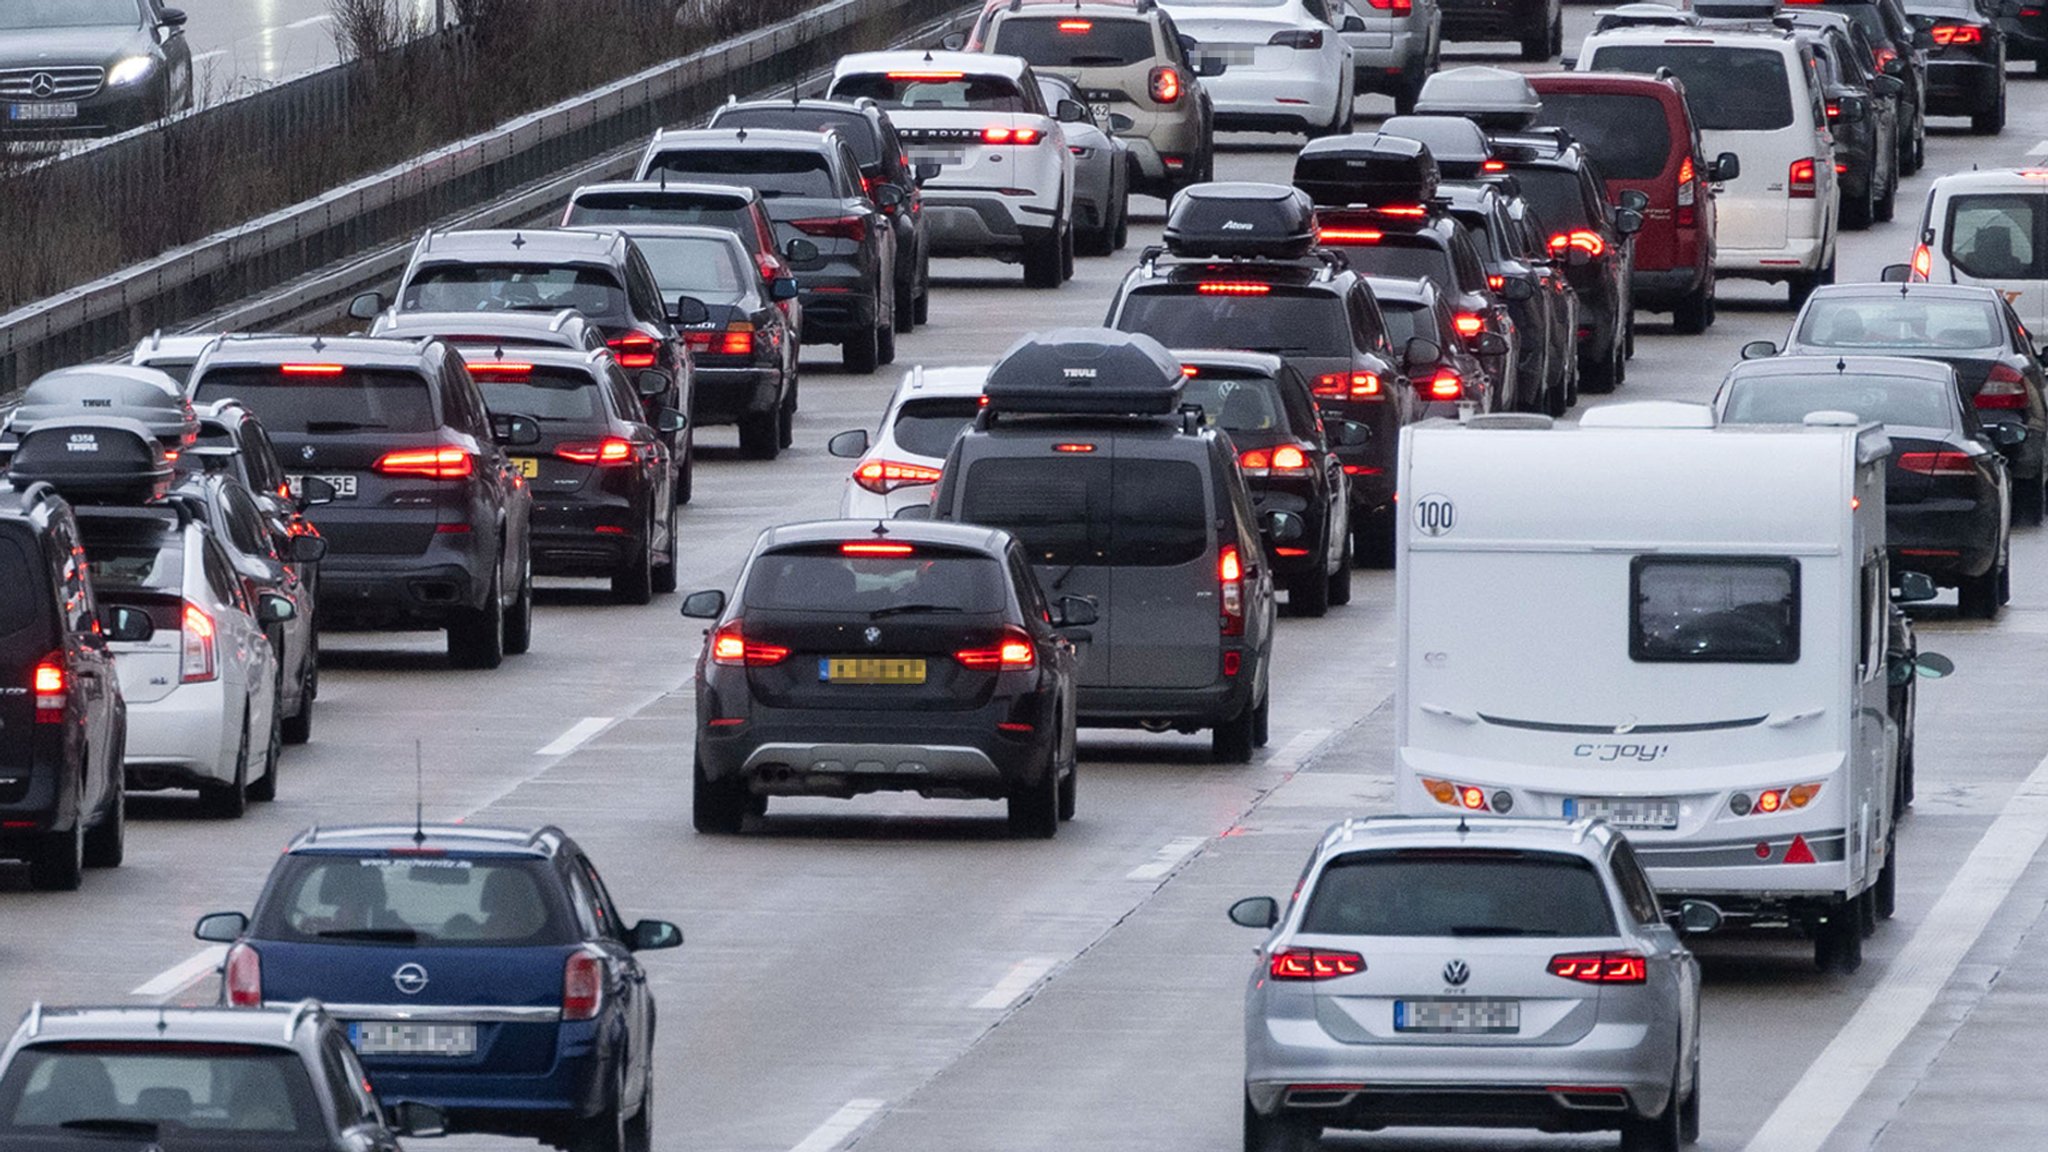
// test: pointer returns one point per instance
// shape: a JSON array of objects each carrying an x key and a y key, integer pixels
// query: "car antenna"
[
  {"x": 1463, "y": 828},
  {"x": 881, "y": 527},
  {"x": 162, "y": 1025},
  {"x": 419, "y": 782},
  {"x": 664, "y": 179},
  {"x": 927, "y": 55},
  {"x": 740, "y": 136}
]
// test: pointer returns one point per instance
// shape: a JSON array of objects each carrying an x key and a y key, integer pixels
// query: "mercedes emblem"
[
  {"x": 410, "y": 979},
  {"x": 42, "y": 86},
  {"x": 1456, "y": 973}
]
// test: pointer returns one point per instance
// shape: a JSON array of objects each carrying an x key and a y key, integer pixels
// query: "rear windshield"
[
  {"x": 1289, "y": 324},
  {"x": 1727, "y": 88},
  {"x": 1992, "y": 237},
  {"x": 1407, "y": 320},
  {"x": 1868, "y": 18},
  {"x": 711, "y": 270},
  {"x": 1893, "y": 321},
  {"x": 1462, "y": 893},
  {"x": 1412, "y": 258},
  {"x": 652, "y": 208},
  {"x": 771, "y": 172},
  {"x": 1628, "y": 136},
  {"x": 414, "y": 900},
  {"x": 593, "y": 291},
  {"x": 179, "y": 369},
  {"x": 1888, "y": 400},
  {"x": 861, "y": 135},
  {"x": 1074, "y": 42},
  {"x": 326, "y": 404},
  {"x": 1557, "y": 195},
  {"x": 934, "y": 91},
  {"x": 1237, "y": 405},
  {"x": 1714, "y": 610},
  {"x": 238, "y": 1095},
  {"x": 545, "y": 394},
  {"x": 929, "y": 427},
  {"x": 133, "y": 554},
  {"x": 1086, "y": 510},
  {"x": 826, "y": 579},
  {"x": 23, "y": 596}
]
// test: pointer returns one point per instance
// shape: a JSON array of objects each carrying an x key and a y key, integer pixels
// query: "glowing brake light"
[
  {"x": 1015, "y": 653},
  {"x": 1313, "y": 964},
  {"x": 1800, "y": 180},
  {"x": 1938, "y": 463},
  {"x": 1232, "y": 288},
  {"x": 634, "y": 350},
  {"x": 927, "y": 75},
  {"x": 1406, "y": 211},
  {"x": 1923, "y": 262},
  {"x": 1957, "y": 35},
  {"x": 1286, "y": 460},
  {"x": 1348, "y": 386},
  {"x": 310, "y": 369},
  {"x": 1469, "y": 797},
  {"x": 1601, "y": 967},
  {"x": 1165, "y": 85},
  {"x": 1688, "y": 193},
  {"x": 736, "y": 340},
  {"x": 1076, "y": 25},
  {"x": 52, "y": 689},
  {"x": 610, "y": 450},
  {"x": 1230, "y": 581},
  {"x": 997, "y": 134},
  {"x": 196, "y": 656},
  {"x": 445, "y": 463},
  {"x": 500, "y": 368},
  {"x": 1349, "y": 235},
  {"x": 1585, "y": 239},
  {"x": 874, "y": 548},
  {"x": 1469, "y": 324},
  {"x": 1493, "y": 165},
  {"x": 730, "y": 648},
  {"x": 2004, "y": 388},
  {"x": 885, "y": 476},
  {"x": 1446, "y": 385}
]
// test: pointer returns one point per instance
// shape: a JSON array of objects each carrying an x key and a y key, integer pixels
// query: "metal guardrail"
[{"x": 301, "y": 263}]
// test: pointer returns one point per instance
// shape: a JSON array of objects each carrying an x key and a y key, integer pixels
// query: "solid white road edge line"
[
  {"x": 1167, "y": 858},
  {"x": 1295, "y": 753},
  {"x": 1831, "y": 1086},
  {"x": 1023, "y": 976},
  {"x": 176, "y": 977},
  {"x": 2038, "y": 150},
  {"x": 843, "y": 1123},
  {"x": 309, "y": 21},
  {"x": 569, "y": 741}
]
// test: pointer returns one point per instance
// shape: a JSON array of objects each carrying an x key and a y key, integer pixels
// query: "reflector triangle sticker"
[{"x": 1799, "y": 853}]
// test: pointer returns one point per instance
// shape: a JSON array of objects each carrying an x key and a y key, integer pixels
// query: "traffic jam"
[{"x": 1095, "y": 392}]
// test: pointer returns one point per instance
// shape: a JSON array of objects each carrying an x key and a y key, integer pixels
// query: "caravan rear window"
[{"x": 1714, "y": 610}]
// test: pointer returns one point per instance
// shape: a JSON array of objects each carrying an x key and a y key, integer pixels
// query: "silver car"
[
  {"x": 1102, "y": 173},
  {"x": 1395, "y": 45},
  {"x": 1498, "y": 973}
]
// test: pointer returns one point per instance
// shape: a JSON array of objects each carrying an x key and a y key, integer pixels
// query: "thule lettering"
[{"x": 1078, "y": 373}]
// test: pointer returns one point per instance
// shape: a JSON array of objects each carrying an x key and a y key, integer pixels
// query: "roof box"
[
  {"x": 1230, "y": 220},
  {"x": 1494, "y": 97},
  {"x": 1343, "y": 171},
  {"x": 144, "y": 395},
  {"x": 1085, "y": 371},
  {"x": 1735, "y": 9},
  {"x": 1649, "y": 414},
  {"x": 1459, "y": 145},
  {"x": 93, "y": 459},
  {"x": 1643, "y": 15}
]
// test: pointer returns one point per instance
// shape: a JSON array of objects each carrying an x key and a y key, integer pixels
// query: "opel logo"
[
  {"x": 1455, "y": 973},
  {"x": 42, "y": 86},
  {"x": 873, "y": 635},
  {"x": 411, "y": 979}
]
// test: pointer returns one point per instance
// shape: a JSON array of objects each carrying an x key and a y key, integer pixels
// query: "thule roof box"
[
  {"x": 1460, "y": 146},
  {"x": 93, "y": 459},
  {"x": 1085, "y": 372},
  {"x": 1240, "y": 219},
  {"x": 1494, "y": 97},
  {"x": 144, "y": 395},
  {"x": 1343, "y": 171}
]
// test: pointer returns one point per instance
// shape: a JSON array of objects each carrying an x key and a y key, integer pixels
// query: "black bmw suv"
[{"x": 428, "y": 525}]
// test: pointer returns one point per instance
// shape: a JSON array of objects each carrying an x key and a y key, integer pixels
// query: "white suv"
[
  {"x": 1985, "y": 228},
  {"x": 998, "y": 178},
  {"x": 1754, "y": 91},
  {"x": 1271, "y": 65},
  {"x": 902, "y": 461}
]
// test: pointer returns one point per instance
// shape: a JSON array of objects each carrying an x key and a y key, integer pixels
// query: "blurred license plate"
[
  {"x": 870, "y": 670},
  {"x": 344, "y": 485},
  {"x": 380, "y": 1039},
  {"x": 943, "y": 157},
  {"x": 1229, "y": 56},
  {"x": 527, "y": 465},
  {"x": 55, "y": 110},
  {"x": 1482, "y": 1016},
  {"x": 1646, "y": 812}
]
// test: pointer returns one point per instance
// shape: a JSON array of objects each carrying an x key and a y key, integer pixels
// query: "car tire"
[
  {"x": 1340, "y": 580},
  {"x": 667, "y": 572},
  {"x": 686, "y": 472},
  {"x": 1659, "y": 1133},
  {"x": 1857, "y": 213},
  {"x": 298, "y": 727},
  {"x": 633, "y": 581},
  {"x": 906, "y": 313},
  {"x": 1689, "y": 1112},
  {"x": 1099, "y": 241},
  {"x": 1605, "y": 377},
  {"x": 58, "y": 863},
  {"x": 1309, "y": 596},
  {"x": 1838, "y": 943},
  {"x": 2028, "y": 501},
  {"x": 1231, "y": 742},
  {"x": 519, "y": 621},
  {"x": 1990, "y": 121},
  {"x": 1372, "y": 543},
  {"x": 1276, "y": 1133},
  {"x": 1262, "y": 721},
  {"x": 1888, "y": 204},
  {"x": 1070, "y": 786},
  {"x": 785, "y": 420},
  {"x": 1042, "y": 258},
  {"x": 1803, "y": 285},
  {"x": 229, "y": 801},
  {"x": 1977, "y": 596},
  {"x": 860, "y": 354},
  {"x": 264, "y": 788},
  {"x": 1886, "y": 891},
  {"x": 476, "y": 637},
  {"x": 1067, "y": 253},
  {"x": 761, "y": 432},
  {"x": 107, "y": 841},
  {"x": 1035, "y": 808},
  {"x": 923, "y": 307},
  {"x": 1695, "y": 310},
  {"x": 640, "y": 1127},
  {"x": 608, "y": 1130},
  {"x": 716, "y": 807},
  {"x": 885, "y": 345},
  {"x": 1536, "y": 45}
]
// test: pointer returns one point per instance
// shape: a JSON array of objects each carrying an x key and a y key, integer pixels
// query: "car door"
[
  {"x": 636, "y": 1001},
  {"x": 248, "y": 662},
  {"x": 86, "y": 648},
  {"x": 1163, "y": 565},
  {"x": 1672, "y": 970},
  {"x": 177, "y": 56}
]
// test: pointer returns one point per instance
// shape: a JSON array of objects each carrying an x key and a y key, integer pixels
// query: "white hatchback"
[
  {"x": 901, "y": 462},
  {"x": 1988, "y": 228},
  {"x": 1271, "y": 65}
]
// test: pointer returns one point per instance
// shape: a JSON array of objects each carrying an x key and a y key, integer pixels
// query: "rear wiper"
[
  {"x": 1497, "y": 930},
  {"x": 393, "y": 935},
  {"x": 341, "y": 426},
  {"x": 1098, "y": 61},
  {"x": 113, "y": 1126},
  {"x": 900, "y": 609}
]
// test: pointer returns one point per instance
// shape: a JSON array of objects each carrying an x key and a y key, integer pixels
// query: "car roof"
[
  {"x": 1757, "y": 35},
  {"x": 593, "y": 360},
  {"x": 394, "y": 325},
  {"x": 524, "y": 245},
  {"x": 1588, "y": 838},
  {"x": 1812, "y": 365},
  {"x": 913, "y": 60},
  {"x": 711, "y": 232},
  {"x": 437, "y": 839},
  {"x": 1663, "y": 87},
  {"x": 921, "y": 381},
  {"x": 158, "y": 346},
  {"x": 2000, "y": 179},
  {"x": 1866, "y": 290},
  {"x": 348, "y": 351},
  {"x": 268, "y": 1027},
  {"x": 739, "y": 193},
  {"x": 936, "y": 532},
  {"x": 1141, "y": 10},
  {"x": 691, "y": 139},
  {"x": 1180, "y": 271},
  {"x": 1264, "y": 363}
]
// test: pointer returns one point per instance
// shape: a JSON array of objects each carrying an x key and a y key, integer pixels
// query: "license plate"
[
  {"x": 943, "y": 157},
  {"x": 53, "y": 110},
  {"x": 527, "y": 465},
  {"x": 1100, "y": 112},
  {"x": 1638, "y": 812},
  {"x": 870, "y": 670},
  {"x": 398, "y": 1037},
  {"x": 344, "y": 485},
  {"x": 1482, "y": 1017},
  {"x": 1231, "y": 57}
]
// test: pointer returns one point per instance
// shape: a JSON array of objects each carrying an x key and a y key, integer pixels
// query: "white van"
[
  {"x": 1707, "y": 670},
  {"x": 1755, "y": 91},
  {"x": 1988, "y": 228}
]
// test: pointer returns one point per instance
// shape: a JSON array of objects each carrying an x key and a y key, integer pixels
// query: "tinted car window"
[
  {"x": 1301, "y": 324},
  {"x": 828, "y": 580},
  {"x": 144, "y": 555},
  {"x": 1558, "y": 196},
  {"x": 1894, "y": 321},
  {"x": 976, "y": 93},
  {"x": 771, "y": 172},
  {"x": 1730, "y": 89},
  {"x": 1088, "y": 511},
  {"x": 929, "y": 427},
  {"x": 662, "y": 208},
  {"x": 1237, "y": 405},
  {"x": 1407, "y": 320},
  {"x": 1782, "y": 400},
  {"x": 331, "y": 404},
  {"x": 1995, "y": 237},
  {"x": 595, "y": 292},
  {"x": 240, "y": 1095},
  {"x": 1075, "y": 43},
  {"x": 1626, "y": 135},
  {"x": 1428, "y": 893},
  {"x": 1414, "y": 260},
  {"x": 456, "y": 901},
  {"x": 548, "y": 394},
  {"x": 712, "y": 270},
  {"x": 1714, "y": 610},
  {"x": 23, "y": 596},
  {"x": 854, "y": 126}
]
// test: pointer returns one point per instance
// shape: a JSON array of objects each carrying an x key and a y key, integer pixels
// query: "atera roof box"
[
  {"x": 1345, "y": 171},
  {"x": 1459, "y": 145},
  {"x": 1497, "y": 99},
  {"x": 144, "y": 395},
  {"x": 1235, "y": 219},
  {"x": 1085, "y": 372},
  {"x": 93, "y": 460}
]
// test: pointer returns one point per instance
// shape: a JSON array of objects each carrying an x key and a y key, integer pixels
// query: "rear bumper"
[
  {"x": 1800, "y": 254},
  {"x": 585, "y": 537},
  {"x": 837, "y": 753},
  {"x": 1277, "y": 100},
  {"x": 574, "y": 1086},
  {"x": 836, "y": 304},
  {"x": 184, "y": 739},
  {"x": 1961, "y": 87},
  {"x": 1657, "y": 288},
  {"x": 724, "y": 395},
  {"x": 398, "y": 592},
  {"x": 1387, "y": 61},
  {"x": 1186, "y": 708},
  {"x": 1946, "y": 539},
  {"x": 983, "y": 224},
  {"x": 1493, "y": 19}
]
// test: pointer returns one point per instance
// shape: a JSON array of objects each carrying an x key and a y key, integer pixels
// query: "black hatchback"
[{"x": 863, "y": 657}]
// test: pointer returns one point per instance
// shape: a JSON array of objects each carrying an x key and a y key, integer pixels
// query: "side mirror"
[
  {"x": 366, "y": 306},
  {"x": 706, "y": 605},
  {"x": 668, "y": 422},
  {"x": 691, "y": 312},
  {"x": 1695, "y": 918},
  {"x": 515, "y": 431},
  {"x": 653, "y": 935},
  {"x": 953, "y": 41},
  {"x": 849, "y": 445},
  {"x": 1896, "y": 273},
  {"x": 126, "y": 625},
  {"x": 1074, "y": 611},
  {"x": 1933, "y": 665},
  {"x": 172, "y": 17},
  {"x": 927, "y": 170},
  {"x": 1923, "y": 38},
  {"x": 800, "y": 252},
  {"x": 221, "y": 927},
  {"x": 653, "y": 382},
  {"x": 1352, "y": 434},
  {"x": 1490, "y": 344},
  {"x": 887, "y": 196},
  {"x": 313, "y": 492},
  {"x": 2009, "y": 9},
  {"x": 1913, "y": 588},
  {"x": 274, "y": 609},
  {"x": 1118, "y": 122},
  {"x": 1421, "y": 350},
  {"x": 1514, "y": 289},
  {"x": 1759, "y": 350},
  {"x": 1255, "y": 912},
  {"x": 2006, "y": 434},
  {"x": 1888, "y": 86},
  {"x": 1628, "y": 221},
  {"x": 1726, "y": 166},
  {"x": 1353, "y": 22},
  {"x": 308, "y": 549},
  {"x": 412, "y": 1118},
  {"x": 1070, "y": 112},
  {"x": 1851, "y": 107},
  {"x": 1634, "y": 199},
  {"x": 1280, "y": 527},
  {"x": 1896, "y": 66},
  {"x": 782, "y": 288}
]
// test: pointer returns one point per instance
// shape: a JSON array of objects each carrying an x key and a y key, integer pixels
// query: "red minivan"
[{"x": 1640, "y": 134}]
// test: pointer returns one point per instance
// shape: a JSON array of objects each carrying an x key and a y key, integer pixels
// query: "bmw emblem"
[
  {"x": 306, "y": 453},
  {"x": 873, "y": 635},
  {"x": 411, "y": 979},
  {"x": 1456, "y": 973}
]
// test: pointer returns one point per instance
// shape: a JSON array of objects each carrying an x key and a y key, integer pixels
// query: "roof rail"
[
  {"x": 561, "y": 318},
  {"x": 299, "y": 1013},
  {"x": 35, "y": 1019},
  {"x": 39, "y": 491}
]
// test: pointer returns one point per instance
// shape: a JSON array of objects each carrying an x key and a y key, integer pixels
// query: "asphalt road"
[
  {"x": 896, "y": 972},
  {"x": 242, "y": 44}
]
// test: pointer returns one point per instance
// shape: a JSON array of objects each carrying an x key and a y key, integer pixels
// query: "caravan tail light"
[
  {"x": 2004, "y": 388},
  {"x": 1230, "y": 588},
  {"x": 1688, "y": 193},
  {"x": 1938, "y": 463},
  {"x": 444, "y": 463},
  {"x": 582, "y": 986},
  {"x": 731, "y": 649},
  {"x": 52, "y": 689},
  {"x": 1800, "y": 179},
  {"x": 1774, "y": 800},
  {"x": 1165, "y": 85},
  {"x": 197, "y": 652},
  {"x": 1467, "y": 797},
  {"x": 1601, "y": 967},
  {"x": 242, "y": 977},
  {"x": 634, "y": 350},
  {"x": 1015, "y": 653},
  {"x": 1313, "y": 964},
  {"x": 1348, "y": 386}
]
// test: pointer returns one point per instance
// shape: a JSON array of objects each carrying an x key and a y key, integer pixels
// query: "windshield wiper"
[
  {"x": 1497, "y": 930},
  {"x": 113, "y": 1126},
  {"x": 341, "y": 425},
  {"x": 900, "y": 609},
  {"x": 393, "y": 935}
]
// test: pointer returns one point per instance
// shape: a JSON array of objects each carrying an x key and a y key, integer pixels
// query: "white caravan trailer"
[{"x": 1676, "y": 626}]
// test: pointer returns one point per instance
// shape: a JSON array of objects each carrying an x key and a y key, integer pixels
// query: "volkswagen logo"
[
  {"x": 1455, "y": 973},
  {"x": 42, "y": 85},
  {"x": 873, "y": 635},
  {"x": 411, "y": 979}
]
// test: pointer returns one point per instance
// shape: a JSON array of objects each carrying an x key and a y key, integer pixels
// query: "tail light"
[
  {"x": 1774, "y": 800},
  {"x": 886, "y": 476},
  {"x": 1286, "y": 460},
  {"x": 1303, "y": 39},
  {"x": 1801, "y": 179},
  {"x": 1165, "y": 85},
  {"x": 730, "y": 648},
  {"x": 1938, "y": 463},
  {"x": 1348, "y": 386},
  {"x": 1688, "y": 193},
  {"x": 52, "y": 689},
  {"x": 582, "y": 986},
  {"x": 1601, "y": 967},
  {"x": 736, "y": 340},
  {"x": 634, "y": 350},
  {"x": 1583, "y": 238},
  {"x": 1957, "y": 35},
  {"x": 1883, "y": 55},
  {"x": 997, "y": 134},
  {"x": 1349, "y": 235},
  {"x": 854, "y": 228},
  {"x": 196, "y": 660},
  {"x": 1397, "y": 7},
  {"x": 1834, "y": 111},
  {"x": 609, "y": 451},
  {"x": 1469, "y": 324},
  {"x": 1446, "y": 385},
  {"x": 2004, "y": 388},
  {"x": 1470, "y": 797},
  {"x": 444, "y": 463},
  {"x": 1313, "y": 964},
  {"x": 1015, "y": 653},
  {"x": 1230, "y": 582},
  {"x": 876, "y": 548},
  {"x": 1923, "y": 262},
  {"x": 1232, "y": 288},
  {"x": 310, "y": 369},
  {"x": 1496, "y": 283},
  {"x": 243, "y": 977}
]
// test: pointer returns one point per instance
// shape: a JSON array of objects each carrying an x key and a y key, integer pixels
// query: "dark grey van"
[{"x": 1084, "y": 453}]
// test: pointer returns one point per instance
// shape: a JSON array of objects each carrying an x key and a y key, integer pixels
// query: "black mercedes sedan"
[
  {"x": 90, "y": 67},
  {"x": 1948, "y": 499}
]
